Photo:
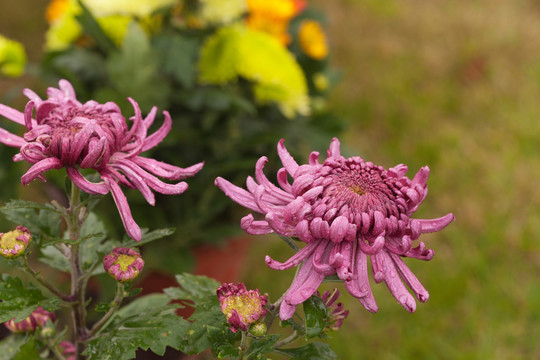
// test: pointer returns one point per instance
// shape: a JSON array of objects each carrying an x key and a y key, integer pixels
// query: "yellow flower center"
[
  {"x": 245, "y": 305},
  {"x": 9, "y": 240},
  {"x": 124, "y": 261}
]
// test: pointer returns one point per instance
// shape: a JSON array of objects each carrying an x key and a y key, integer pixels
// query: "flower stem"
[
  {"x": 115, "y": 304},
  {"x": 244, "y": 345},
  {"x": 287, "y": 340},
  {"x": 27, "y": 269},
  {"x": 77, "y": 281}
]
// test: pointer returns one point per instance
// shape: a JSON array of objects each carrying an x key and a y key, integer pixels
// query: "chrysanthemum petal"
[
  {"x": 296, "y": 259},
  {"x": 132, "y": 229},
  {"x": 237, "y": 194},
  {"x": 158, "y": 136},
  {"x": 433, "y": 225},
  {"x": 39, "y": 168},
  {"x": 12, "y": 114},
  {"x": 288, "y": 162},
  {"x": 85, "y": 185},
  {"x": 410, "y": 279}
]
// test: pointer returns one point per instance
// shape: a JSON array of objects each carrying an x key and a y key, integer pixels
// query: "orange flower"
[
  {"x": 273, "y": 17},
  {"x": 55, "y": 10},
  {"x": 313, "y": 39}
]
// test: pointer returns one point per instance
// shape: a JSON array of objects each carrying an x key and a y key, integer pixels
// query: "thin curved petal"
[
  {"x": 237, "y": 194},
  {"x": 158, "y": 136},
  {"x": 85, "y": 185},
  {"x": 294, "y": 260},
  {"x": 12, "y": 114},
  {"x": 288, "y": 162},
  {"x": 433, "y": 225},
  {"x": 132, "y": 229},
  {"x": 39, "y": 168}
]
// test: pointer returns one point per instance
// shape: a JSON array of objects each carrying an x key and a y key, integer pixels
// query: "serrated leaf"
[
  {"x": 209, "y": 314},
  {"x": 146, "y": 323},
  {"x": 222, "y": 341},
  {"x": 28, "y": 351},
  {"x": 133, "y": 70},
  {"x": 179, "y": 55},
  {"x": 53, "y": 257},
  {"x": 312, "y": 351},
  {"x": 315, "y": 316},
  {"x": 10, "y": 346},
  {"x": 196, "y": 288},
  {"x": 259, "y": 347},
  {"x": 20, "y": 300},
  {"x": 38, "y": 218}
]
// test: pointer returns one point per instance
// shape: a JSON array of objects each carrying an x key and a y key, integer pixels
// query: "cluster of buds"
[
  {"x": 123, "y": 264},
  {"x": 336, "y": 313},
  {"x": 242, "y": 308},
  {"x": 68, "y": 350},
  {"x": 36, "y": 320},
  {"x": 15, "y": 242}
]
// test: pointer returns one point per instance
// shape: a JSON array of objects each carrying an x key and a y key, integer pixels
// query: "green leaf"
[
  {"x": 40, "y": 219},
  {"x": 312, "y": 351},
  {"x": 133, "y": 70},
  {"x": 179, "y": 55},
  {"x": 222, "y": 341},
  {"x": 10, "y": 346},
  {"x": 259, "y": 347},
  {"x": 53, "y": 257},
  {"x": 28, "y": 351},
  {"x": 196, "y": 288},
  {"x": 20, "y": 300},
  {"x": 149, "y": 237},
  {"x": 146, "y": 323},
  {"x": 201, "y": 290},
  {"x": 315, "y": 316}
]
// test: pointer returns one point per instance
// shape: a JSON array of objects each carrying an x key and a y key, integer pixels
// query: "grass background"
[{"x": 456, "y": 86}]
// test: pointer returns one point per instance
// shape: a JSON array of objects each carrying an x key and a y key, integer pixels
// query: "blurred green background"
[{"x": 453, "y": 85}]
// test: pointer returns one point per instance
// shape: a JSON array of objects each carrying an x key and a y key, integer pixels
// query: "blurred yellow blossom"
[
  {"x": 113, "y": 17},
  {"x": 218, "y": 12},
  {"x": 12, "y": 57},
  {"x": 313, "y": 39},
  {"x": 239, "y": 51}
]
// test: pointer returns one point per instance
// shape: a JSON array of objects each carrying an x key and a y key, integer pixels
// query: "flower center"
[
  {"x": 9, "y": 240},
  {"x": 124, "y": 261},
  {"x": 247, "y": 306},
  {"x": 362, "y": 187}
]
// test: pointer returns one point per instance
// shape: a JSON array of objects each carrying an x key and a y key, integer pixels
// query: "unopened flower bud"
[
  {"x": 14, "y": 243},
  {"x": 336, "y": 313},
  {"x": 47, "y": 332},
  {"x": 68, "y": 350},
  {"x": 241, "y": 307},
  {"x": 36, "y": 320},
  {"x": 258, "y": 329},
  {"x": 123, "y": 264}
]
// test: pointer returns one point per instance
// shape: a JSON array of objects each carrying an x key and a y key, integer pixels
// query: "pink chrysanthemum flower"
[
  {"x": 66, "y": 133},
  {"x": 14, "y": 243},
  {"x": 37, "y": 319},
  {"x": 123, "y": 264},
  {"x": 345, "y": 210},
  {"x": 241, "y": 307}
]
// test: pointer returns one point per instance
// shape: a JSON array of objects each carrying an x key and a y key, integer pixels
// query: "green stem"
[
  {"x": 115, "y": 304},
  {"x": 244, "y": 345},
  {"x": 74, "y": 223},
  {"x": 28, "y": 270},
  {"x": 287, "y": 340}
]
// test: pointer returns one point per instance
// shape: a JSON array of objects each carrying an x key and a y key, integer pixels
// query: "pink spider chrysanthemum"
[
  {"x": 66, "y": 133},
  {"x": 345, "y": 210}
]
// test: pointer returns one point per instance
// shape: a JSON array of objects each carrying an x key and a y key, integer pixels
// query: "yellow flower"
[
  {"x": 218, "y": 12},
  {"x": 113, "y": 17},
  {"x": 272, "y": 17},
  {"x": 237, "y": 51},
  {"x": 12, "y": 57},
  {"x": 313, "y": 39}
]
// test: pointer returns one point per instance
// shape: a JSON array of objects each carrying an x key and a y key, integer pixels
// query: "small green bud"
[{"x": 258, "y": 329}]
